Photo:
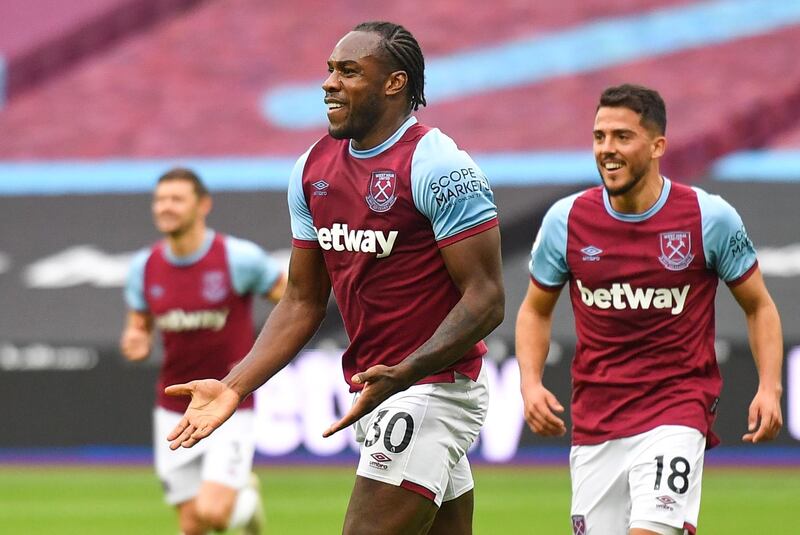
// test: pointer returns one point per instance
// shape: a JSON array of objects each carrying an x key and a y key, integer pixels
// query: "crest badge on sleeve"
[
  {"x": 214, "y": 287},
  {"x": 578, "y": 525},
  {"x": 381, "y": 194},
  {"x": 676, "y": 249}
]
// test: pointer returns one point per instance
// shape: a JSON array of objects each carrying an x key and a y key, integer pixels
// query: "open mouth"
[
  {"x": 611, "y": 167},
  {"x": 334, "y": 107}
]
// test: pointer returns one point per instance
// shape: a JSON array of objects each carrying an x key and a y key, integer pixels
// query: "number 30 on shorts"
[
  {"x": 678, "y": 478},
  {"x": 389, "y": 440}
]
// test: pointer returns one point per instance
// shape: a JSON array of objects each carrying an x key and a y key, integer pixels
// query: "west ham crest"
[
  {"x": 156, "y": 291},
  {"x": 676, "y": 250},
  {"x": 381, "y": 193},
  {"x": 578, "y": 525},
  {"x": 214, "y": 287}
]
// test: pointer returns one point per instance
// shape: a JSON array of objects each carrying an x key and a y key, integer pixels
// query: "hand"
[
  {"x": 540, "y": 406},
  {"x": 135, "y": 344},
  {"x": 212, "y": 403},
  {"x": 764, "y": 421},
  {"x": 379, "y": 382}
]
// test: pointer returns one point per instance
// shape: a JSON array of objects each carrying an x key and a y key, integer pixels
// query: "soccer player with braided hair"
[{"x": 402, "y": 226}]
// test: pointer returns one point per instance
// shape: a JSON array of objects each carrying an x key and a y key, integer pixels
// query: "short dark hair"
[
  {"x": 643, "y": 100},
  {"x": 404, "y": 53},
  {"x": 182, "y": 173}
]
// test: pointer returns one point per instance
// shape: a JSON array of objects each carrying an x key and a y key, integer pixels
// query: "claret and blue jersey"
[
  {"x": 202, "y": 306},
  {"x": 380, "y": 217},
  {"x": 642, "y": 289}
]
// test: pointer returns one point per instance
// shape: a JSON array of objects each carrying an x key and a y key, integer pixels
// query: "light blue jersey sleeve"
[
  {"x": 253, "y": 270},
  {"x": 727, "y": 247},
  {"x": 134, "y": 283},
  {"x": 448, "y": 187},
  {"x": 302, "y": 225},
  {"x": 548, "y": 264}
]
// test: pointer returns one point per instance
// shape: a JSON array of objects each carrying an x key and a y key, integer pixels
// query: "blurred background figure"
[{"x": 196, "y": 287}]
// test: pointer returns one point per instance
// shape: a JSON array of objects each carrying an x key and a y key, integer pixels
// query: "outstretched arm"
[
  {"x": 288, "y": 328},
  {"x": 765, "y": 419},
  {"x": 474, "y": 265},
  {"x": 534, "y": 321}
]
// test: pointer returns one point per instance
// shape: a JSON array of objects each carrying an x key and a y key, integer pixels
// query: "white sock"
[{"x": 244, "y": 508}]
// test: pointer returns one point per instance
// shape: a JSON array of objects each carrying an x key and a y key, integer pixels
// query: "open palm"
[{"x": 212, "y": 403}]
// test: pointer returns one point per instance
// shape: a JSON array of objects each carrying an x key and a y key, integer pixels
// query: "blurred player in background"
[
  {"x": 196, "y": 287},
  {"x": 402, "y": 225},
  {"x": 642, "y": 255}
]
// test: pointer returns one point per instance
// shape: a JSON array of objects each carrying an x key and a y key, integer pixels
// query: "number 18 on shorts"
[{"x": 651, "y": 480}]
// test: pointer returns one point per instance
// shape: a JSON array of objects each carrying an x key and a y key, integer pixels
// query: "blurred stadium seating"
[
  {"x": 40, "y": 38},
  {"x": 96, "y": 101}
]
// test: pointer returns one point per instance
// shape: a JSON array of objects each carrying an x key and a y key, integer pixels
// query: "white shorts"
[
  {"x": 651, "y": 480},
  {"x": 226, "y": 456},
  {"x": 417, "y": 439}
]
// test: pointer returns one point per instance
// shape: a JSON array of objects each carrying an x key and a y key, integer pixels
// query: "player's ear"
[
  {"x": 206, "y": 204},
  {"x": 659, "y": 147},
  {"x": 396, "y": 82}
]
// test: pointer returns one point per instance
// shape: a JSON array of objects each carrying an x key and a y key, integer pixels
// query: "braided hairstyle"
[{"x": 403, "y": 52}]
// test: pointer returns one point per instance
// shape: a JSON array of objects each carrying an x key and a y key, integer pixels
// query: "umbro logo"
[
  {"x": 591, "y": 253},
  {"x": 320, "y": 186},
  {"x": 666, "y": 503},
  {"x": 380, "y": 459}
]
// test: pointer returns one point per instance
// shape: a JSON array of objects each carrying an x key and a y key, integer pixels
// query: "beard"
[
  {"x": 358, "y": 123},
  {"x": 178, "y": 232},
  {"x": 637, "y": 174},
  {"x": 180, "y": 228}
]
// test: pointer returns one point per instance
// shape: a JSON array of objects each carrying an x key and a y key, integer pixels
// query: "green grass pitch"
[{"x": 311, "y": 500}]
